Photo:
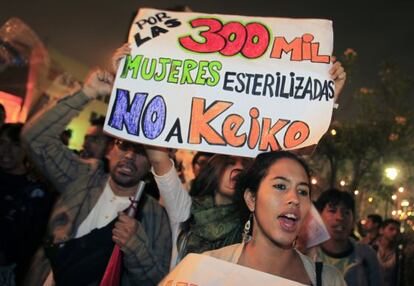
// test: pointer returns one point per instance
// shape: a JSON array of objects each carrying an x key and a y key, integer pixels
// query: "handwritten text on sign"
[{"x": 227, "y": 84}]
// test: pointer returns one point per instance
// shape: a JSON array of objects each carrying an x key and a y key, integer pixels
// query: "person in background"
[
  {"x": 96, "y": 143},
  {"x": 371, "y": 227},
  {"x": 206, "y": 217},
  {"x": 388, "y": 252},
  {"x": 357, "y": 262},
  {"x": 25, "y": 203},
  {"x": 89, "y": 219}
]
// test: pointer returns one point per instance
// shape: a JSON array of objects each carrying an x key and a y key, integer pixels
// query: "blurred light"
[
  {"x": 333, "y": 132},
  {"x": 342, "y": 183},
  {"x": 370, "y": 199},
  {"x": 356, "y": 192},
  {"x": 399, "y": 212},
  {"x": 394, "y": 212},
  {"x": 409, "y": 213},
  {"x": 314, "y": 181},
  {"x": 364, "y": 221},
  {"x": 401, "y": 189},
  {"x": 394, "y": 197},
  {"x": 405, "y": 203},
  {"x": 391, "y": 173}
]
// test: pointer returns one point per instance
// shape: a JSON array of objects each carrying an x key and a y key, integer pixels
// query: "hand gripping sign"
[{"x": 226, "y": 84}]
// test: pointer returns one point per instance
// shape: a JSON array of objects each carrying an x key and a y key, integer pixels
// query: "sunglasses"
[{"x": 129, "y": 146}]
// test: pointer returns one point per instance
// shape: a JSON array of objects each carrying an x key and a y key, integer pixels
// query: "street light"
[
  {"x": 356, "y": 192},
  {"x": 391, "y": 173},
  {"x": 342, "y": 183}
]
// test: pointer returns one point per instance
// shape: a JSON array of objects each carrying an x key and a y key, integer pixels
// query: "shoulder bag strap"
[{"x": 318, "y": 267}]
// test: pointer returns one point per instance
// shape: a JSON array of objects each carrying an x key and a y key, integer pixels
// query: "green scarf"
[{"x": 210, "y": 227}]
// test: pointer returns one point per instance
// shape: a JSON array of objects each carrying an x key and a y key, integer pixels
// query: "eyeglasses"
[{"x": 129, "y": 146}]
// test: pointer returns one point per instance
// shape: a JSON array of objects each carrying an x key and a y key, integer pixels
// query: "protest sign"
[
  {"x": 227, "y": 84},
  {"x": 203, "y": 270}
]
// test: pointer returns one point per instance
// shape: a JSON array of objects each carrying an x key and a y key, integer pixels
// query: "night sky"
[{"x": 89, "y": 31}]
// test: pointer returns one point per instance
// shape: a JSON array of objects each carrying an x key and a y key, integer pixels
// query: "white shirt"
[
  {"x": 105, "y": 210},
  {"x": 176, "y": 201}
]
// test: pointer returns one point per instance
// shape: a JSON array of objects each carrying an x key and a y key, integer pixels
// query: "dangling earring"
[{"x": 247, "y": 229}]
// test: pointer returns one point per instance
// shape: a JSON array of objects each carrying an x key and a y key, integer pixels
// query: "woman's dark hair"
[
  {"x": 251, "y": 177},
  {"x": 200, "y": 154},
  {"x": 207, "y": 182}
]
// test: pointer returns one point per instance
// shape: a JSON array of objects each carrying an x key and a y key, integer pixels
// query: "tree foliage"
[{"x": 381, "y": 132}]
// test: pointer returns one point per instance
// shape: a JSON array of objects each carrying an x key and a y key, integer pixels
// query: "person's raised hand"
[
  {"x": 338, "y": 75},
  {"x": 159, "y": 159},
  {"x": 98, "y": 82},
  {"x": 118, "y": 55}
]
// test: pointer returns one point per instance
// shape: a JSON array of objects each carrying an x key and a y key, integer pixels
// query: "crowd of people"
[{"x": 62, "y": 212}]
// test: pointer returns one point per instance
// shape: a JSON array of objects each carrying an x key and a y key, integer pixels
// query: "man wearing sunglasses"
[{"x": 88, "y": 219}]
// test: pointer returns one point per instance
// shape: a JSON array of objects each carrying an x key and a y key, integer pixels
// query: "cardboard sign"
[
  {"x": 225, "y": 84},
  {"x": 203, "y": 270}
]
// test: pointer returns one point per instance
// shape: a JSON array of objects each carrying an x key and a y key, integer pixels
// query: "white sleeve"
[{"x": 177, "y": 201}]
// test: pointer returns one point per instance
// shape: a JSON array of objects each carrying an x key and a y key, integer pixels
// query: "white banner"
[
  {"x": 225, "y": 84},
  {"x": 203, "y": 270}
]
